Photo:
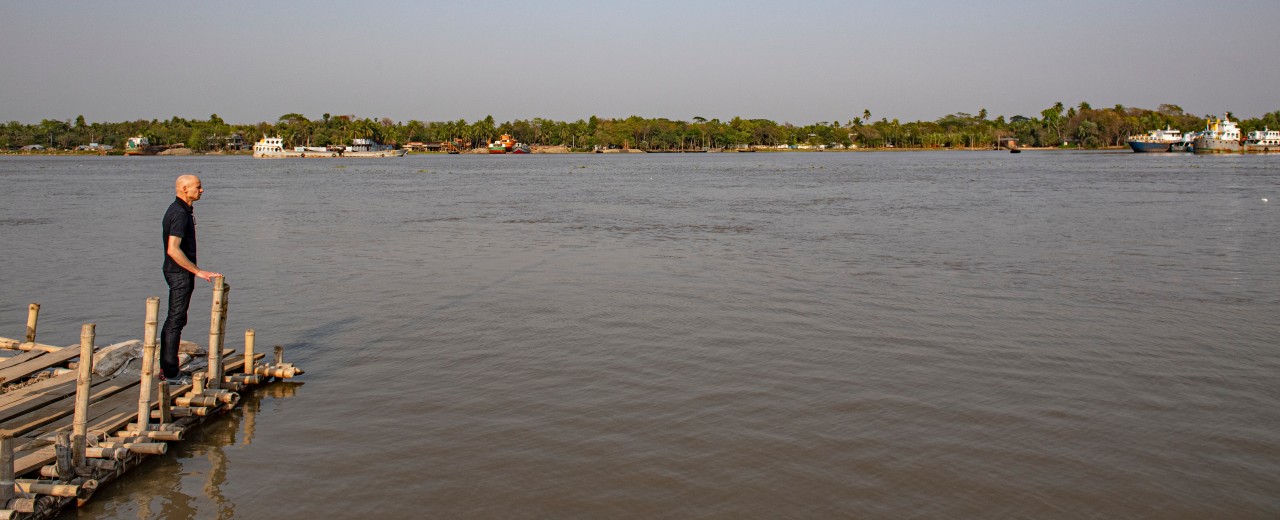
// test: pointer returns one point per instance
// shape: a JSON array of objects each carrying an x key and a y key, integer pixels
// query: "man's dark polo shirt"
[{"x": 179, "y": 221}]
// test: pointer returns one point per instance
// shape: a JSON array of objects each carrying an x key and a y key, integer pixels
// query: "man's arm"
[{"x": 175, "y": 252}]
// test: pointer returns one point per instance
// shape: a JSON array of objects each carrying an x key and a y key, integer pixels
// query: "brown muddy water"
[{"x": 716, "y": 336}]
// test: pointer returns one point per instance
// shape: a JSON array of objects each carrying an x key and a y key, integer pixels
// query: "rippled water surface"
[{"x": 856, "y": 335}]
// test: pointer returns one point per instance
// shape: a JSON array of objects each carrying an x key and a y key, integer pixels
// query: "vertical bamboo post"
[
  {"x": 81, "y": 426},
  {"x": 222, "y": 334},
  {"x": 166, "y": 416},
  {"x": 33, "y": 313},
  {"x": 148, "y": 362},
  {"x": 279, "y": 355},
  {"x": 249, "y": 337},
  {"x": 215, "y": 327},
  {"x": 6, "y": 470},
  {"x": 62, "y": 456},
  {"x": 197, "y": 383}
]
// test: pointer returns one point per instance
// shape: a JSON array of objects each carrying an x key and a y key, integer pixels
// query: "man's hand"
[{"x": 207, "y": 275}]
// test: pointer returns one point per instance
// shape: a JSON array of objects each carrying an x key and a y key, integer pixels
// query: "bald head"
[{"x": 188, "y": 188}]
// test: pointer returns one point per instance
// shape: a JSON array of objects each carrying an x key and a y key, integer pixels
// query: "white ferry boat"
[
  {"x": 273, "y": 148},
  {"x": 1219, "y": 136},
  {"x": 1263, "y": 141}
]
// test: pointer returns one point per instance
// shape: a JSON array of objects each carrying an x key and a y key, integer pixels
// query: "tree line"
[{"x": 1079, "y": 126}]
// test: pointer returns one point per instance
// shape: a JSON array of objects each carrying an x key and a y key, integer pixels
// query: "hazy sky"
[{"x": 799, "y": 61}]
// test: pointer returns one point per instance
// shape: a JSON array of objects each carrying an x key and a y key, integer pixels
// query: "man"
[{"x": 180, "y": 271}]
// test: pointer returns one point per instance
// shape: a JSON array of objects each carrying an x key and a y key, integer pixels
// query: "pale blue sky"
[{"x": 800, "y": 61}]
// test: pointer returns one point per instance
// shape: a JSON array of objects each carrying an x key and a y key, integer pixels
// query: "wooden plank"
[
  {"x": 44, "y": 362},
  {"x": 20, "y": 401},
  {"x": 33, "y": 460},
  {"x": 18, "y": 395},
  {"x": 39, "y": 415},
  {"x": 20, "y": 358}
]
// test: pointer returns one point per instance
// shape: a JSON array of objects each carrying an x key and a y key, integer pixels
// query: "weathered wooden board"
[
  {"x": 42, "y": 410},
  {"x": 20, "y": 358},
  {"x": 44, "y": 362}
]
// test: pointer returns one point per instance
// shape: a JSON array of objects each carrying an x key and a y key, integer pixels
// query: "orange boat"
[{"x": 507, "y": 144}]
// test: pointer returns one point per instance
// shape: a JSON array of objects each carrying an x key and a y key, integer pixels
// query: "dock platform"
[{"x": 67, "y": 429}]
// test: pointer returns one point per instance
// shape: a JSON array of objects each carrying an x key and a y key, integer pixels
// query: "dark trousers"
[{"x": 180, "y": 287}]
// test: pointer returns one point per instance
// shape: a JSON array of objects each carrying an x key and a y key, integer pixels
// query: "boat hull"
[
  {"x": 1149, "y": 147},
  {"x": 292, "y": 154},
  {"x": 1211, "y": 145},
  {"x": 375, "y": 155}
]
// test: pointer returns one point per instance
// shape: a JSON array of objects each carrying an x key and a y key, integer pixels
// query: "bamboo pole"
[
  {"x": 91, "y": 466},
  {"x": 145, "y": 448},
  {"x": 120, "y": 450},
  {"x": 185, "y": 411},
  {"x": 83, "y": 380},
  {"x": 33, "y": 313},
  {"x": 165, "y": 416},
  {"x": 64, "y": 467},
  {"x": 279, "y": 355},
  {"x": 113, "y": 442},
  {"x": 208, "y": 399},
  {"x": 280, "y": 373},
  {"x": 22, "y": 505},
  {"x": 148, "y": 362},
  {"x": 215, "y": 326},
  {"x": 175, "y": 435},
  {"x": 6, "y": 469},
  {"x": 249, "y": 337},
  {"x": 198, "y": 400},
  {"x": 245, "y": 379},
  {"x": 217, "y": 375},
  {"x": 197, "y": 383},
  {"x": 45, "y": 488},
  {"x": 98, "y": 452}
]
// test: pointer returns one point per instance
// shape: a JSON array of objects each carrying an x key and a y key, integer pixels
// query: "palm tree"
[
  {"x": 1053, "y": 119},
  {"x": 362, "y": 129}
]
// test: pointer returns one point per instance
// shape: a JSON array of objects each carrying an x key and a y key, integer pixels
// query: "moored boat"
[
  {"x": 273, "y": 148},
  {"x": 1186, "y": 144},
  {"x": 1262, "y": 141},
  {"x": 508, "y": 144},
  {"x": 1155, "y": 140},
  {"x": 140, "y": 145},
  {"x": 1219, "y": 136}
]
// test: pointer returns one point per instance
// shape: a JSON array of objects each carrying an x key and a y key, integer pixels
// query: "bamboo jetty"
[{"x": 65, "y": 432}]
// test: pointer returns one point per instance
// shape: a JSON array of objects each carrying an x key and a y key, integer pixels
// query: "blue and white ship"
[{"x": 1155, "y": 140}]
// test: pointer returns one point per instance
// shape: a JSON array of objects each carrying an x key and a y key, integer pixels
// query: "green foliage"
[{"x": 1079, "y": 125}]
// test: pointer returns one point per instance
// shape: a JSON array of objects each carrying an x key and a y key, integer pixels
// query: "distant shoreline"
[{"x": 481, "y": 151}]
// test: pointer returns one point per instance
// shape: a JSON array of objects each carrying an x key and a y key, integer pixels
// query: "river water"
[{"x": 821, "y": 335}]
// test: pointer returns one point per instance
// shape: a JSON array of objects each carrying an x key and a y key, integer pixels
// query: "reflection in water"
[{"x": 162, "y": 487}]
